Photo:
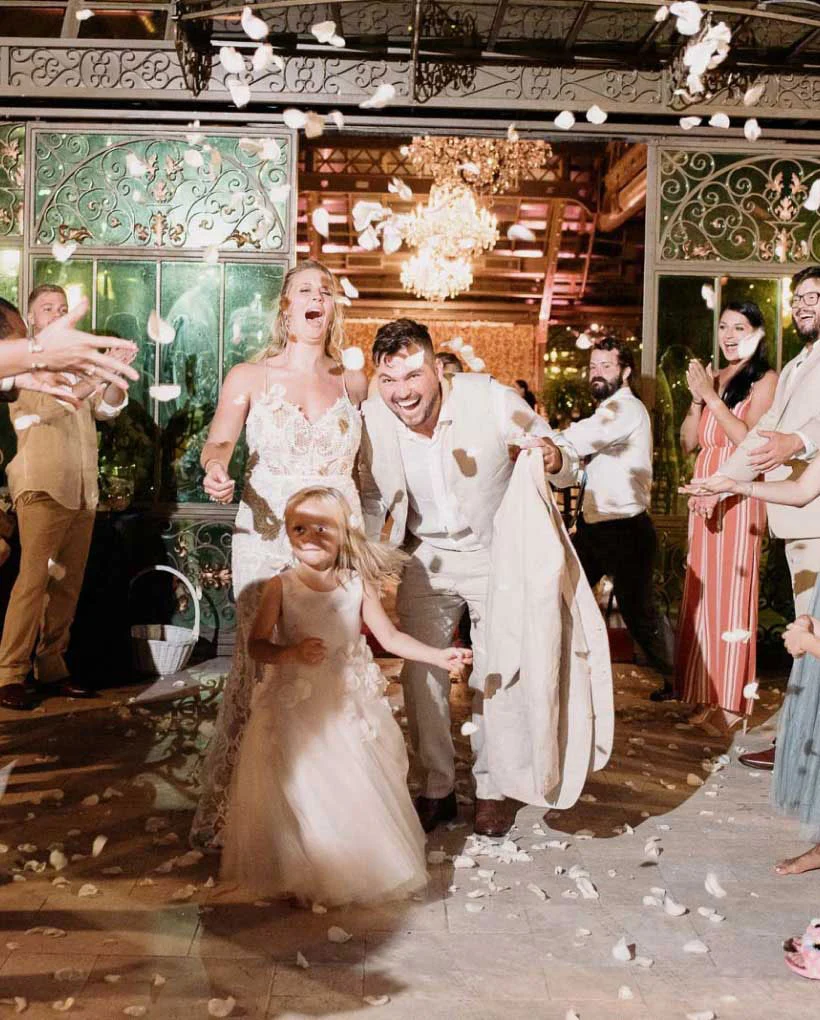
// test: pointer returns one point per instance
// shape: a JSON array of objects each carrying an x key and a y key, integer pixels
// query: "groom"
[{"x": 435, "y": 456}]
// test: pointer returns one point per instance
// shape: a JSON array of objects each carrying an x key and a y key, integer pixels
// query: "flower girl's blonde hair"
[{"x": 374, "y": 562}]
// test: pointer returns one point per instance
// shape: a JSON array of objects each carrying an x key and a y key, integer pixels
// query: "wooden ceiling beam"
[{"x": 377, "y": 185}]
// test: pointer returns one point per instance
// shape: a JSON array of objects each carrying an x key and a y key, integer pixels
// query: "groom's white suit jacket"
[{"x": 549, "y": 720}]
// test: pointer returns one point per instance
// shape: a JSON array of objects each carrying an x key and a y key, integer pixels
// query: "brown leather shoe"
[
  {"x": 19, "y": 697},
  {"x": 495, "y": 817},
  {"x": 433, "y": 811},
  {"x": 763, "y": 760}
]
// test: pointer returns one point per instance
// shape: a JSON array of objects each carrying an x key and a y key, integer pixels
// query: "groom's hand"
[{"x": 553, "y": 458}]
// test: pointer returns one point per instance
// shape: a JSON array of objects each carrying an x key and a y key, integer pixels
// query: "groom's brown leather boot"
[{"x": 495, "y": 817}]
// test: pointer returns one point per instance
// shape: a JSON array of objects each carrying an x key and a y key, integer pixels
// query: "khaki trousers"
[
  {"x": 803, "y": 557},
  {"x": 435, "y": 587},
  {"x": 42, "y": 604}
]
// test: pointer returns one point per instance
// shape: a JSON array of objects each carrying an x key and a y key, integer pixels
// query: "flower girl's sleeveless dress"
[{"x": 319, "y": 807}]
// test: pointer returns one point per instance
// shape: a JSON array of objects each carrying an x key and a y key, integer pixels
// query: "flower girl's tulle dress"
[{"x": 319, "y": 807}]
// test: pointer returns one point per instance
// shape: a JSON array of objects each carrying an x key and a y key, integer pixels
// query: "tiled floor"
[{"x": 506, "y": 939}]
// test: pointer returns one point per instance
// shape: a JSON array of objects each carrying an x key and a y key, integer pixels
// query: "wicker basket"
[{"x": 159, "y": 647}]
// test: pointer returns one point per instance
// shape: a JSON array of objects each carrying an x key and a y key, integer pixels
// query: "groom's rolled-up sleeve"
[{"x": 516, "y": 420}]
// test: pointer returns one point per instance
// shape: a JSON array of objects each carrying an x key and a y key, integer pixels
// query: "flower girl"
[{"x": 319, "y": 807}]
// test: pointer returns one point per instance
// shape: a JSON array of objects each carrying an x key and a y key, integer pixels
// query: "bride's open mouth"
[{"x": 313, "y": 313}]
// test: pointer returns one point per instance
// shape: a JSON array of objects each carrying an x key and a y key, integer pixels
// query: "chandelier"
[
  {"x": 435, "y": 278},
  {"x": 452, "y": 224}
]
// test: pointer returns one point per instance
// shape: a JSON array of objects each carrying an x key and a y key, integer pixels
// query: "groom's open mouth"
[{"x": 408, "y": 405}]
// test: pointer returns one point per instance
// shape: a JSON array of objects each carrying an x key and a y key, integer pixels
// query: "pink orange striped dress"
[{"x": 721, "y": 588}]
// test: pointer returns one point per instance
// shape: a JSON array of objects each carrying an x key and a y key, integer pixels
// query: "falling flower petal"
[
  {"x": 320, "y": 218},
  {"x": 25, "y": 421},
  {"x": 383, "y": 95},
  {"x": 673, "y": 908},
  {"x": 294, "y": 119},
  {"x": 165, "y": 392},
  {"x": 734, "y": 637},
  {"x": 391, "y": 239},
  {"x": 565, "y": 120},
  {"x": 695, "y": 946},
  {"x": 88, "y": 889},
  {"x": 583, "y": 341},
  {"x": 337, "y": 41},
  {"x": 337, "y": 934},
  {"x": 240, "y": 93},
  {"x": 63, "y": 252},
  {"x": 625, "y": 992},
  {"x": 750, "y": 689},
  {"x": 353, "y": 359},
  {"x": 476, "y": 364},
  {"x": 221, "y": 1007},
  {"x": 687, "y": 123},
  {"x": 707, "y": 292},
  {"x": 253, "y": 27},
  {"x": 751, "y": 129},
  {"x": 518, "y": 232},
  {"x": 622, "y": 951},
  {"x": 463, "y": 861},
  {"x": 689, "y": 16},
  {"x": 595, "y": 115},
  {"x": 398, "y": 187},
  {"x": 134, "y": 165},
  {"x": 314, "y": 125},
  {"x": 194, "y": 158},
  {"x": 63, "y": 1005},
  {"x": 231, "y": 59},
  {"x": 662, "y": 13},
  {"x": 323, "y": 30},
  {"x": 264, "y": 59},
  {"x": 713, "y": 886},
  {"x": 338, "y": 119},
  {"x": 57, "y": 859},
  {"x": 348, "y": 288},
  {"x": 84, "y": 14},
  {"x": 368, "y": 239},
  {"x": 719, "y": 120},
  {"x": 99, "y": 845},
  {"x": 754, "y": 93},
  {"x": 468, "y": 728},
  {"x": 812, "y": 203}
]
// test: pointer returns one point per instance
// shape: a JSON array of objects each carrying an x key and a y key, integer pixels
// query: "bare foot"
[{"x": 797, "y": 865}]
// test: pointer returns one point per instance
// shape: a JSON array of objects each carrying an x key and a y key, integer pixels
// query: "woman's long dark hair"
[{"x": 740, "y": 385}]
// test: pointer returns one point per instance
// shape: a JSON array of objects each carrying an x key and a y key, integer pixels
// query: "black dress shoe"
[
  {"x": 665, "y": 693},
  {"x": 19, "y": 697},
  {"x": 432, "y": 811},
  {"x": 68, "y": 688}
]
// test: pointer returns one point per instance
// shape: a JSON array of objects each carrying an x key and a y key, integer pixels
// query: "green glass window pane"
[
  {"x": 686, "y": 328},
  {"x": 10, "y": 275},
  {"x": 765, "y": 294},
  {"x": 126, "y": 296},
  {"x": 190, "y": 302},
  {"x": 75, "y": 277},
  {"x": 251, "y": 303}
]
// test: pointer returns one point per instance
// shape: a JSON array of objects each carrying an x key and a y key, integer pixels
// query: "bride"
[{"x": 299, "y": 409}]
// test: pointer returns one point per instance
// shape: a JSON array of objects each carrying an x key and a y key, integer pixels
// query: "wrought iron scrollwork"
[
  {"x": 193, "y": 46},
  {"x": 459, "y": 27}
]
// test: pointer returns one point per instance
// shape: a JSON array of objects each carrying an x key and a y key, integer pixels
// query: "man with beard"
[
  {"x": 435, "y": 457},
  {"x": 614, "y": 535},
  {"x": 790, "y": 431}
]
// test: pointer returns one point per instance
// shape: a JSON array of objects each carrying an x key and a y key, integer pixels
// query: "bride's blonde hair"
[
  {"x": 374, "y": 562},
  {"x": 334, "y": 338}
]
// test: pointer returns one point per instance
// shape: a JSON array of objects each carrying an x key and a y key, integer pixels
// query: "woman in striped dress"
[{"x": 716, "y": 646}]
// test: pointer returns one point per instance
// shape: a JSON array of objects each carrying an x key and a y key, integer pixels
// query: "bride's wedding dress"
[{"x": 287, "y": 452}]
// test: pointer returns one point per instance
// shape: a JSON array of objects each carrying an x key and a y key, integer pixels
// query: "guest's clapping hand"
[
  {"x": 797, "y": 634},
  {"x": 64, "y": 347},
  {"x": 455, "y": 661},
  {"x": 310, "y": 651},
  {"x": 779, "y": 448},
  {"x": 218, "y": 483},
  {"x": 700, "y": 380}
]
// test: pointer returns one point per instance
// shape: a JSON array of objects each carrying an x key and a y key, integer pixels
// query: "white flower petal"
[
  {"x": 383, "y": 95},
  {"x": 662, "y": 13},
  {"x": 184, "y": 893},
  {"x": 314, "y": 125},
  {"x": 595, "y": 115},
  {"x": 55, "y": 569},
  {"x": 63, "y": 1005},
  {"x": 754, "y": 93},
  {"x": 623, "y": 951},
  {"x": 583, "y": 342},
  {"x": 210, "y": 255},
  {"x": 398, "y": 187},
  {"x": 264, "y": 59},
  {"x": 231, "y": 59},
  {"x": 353, "y": 359},
  {"x": 221, "y": 1007},
  {"x": 58, "y": 860},
  {"x": 812, "y": 203},
  {"x": 279, "y": 193},
  {"x": 337, "y": 41},
  {"x": 750, "y": 689},
  {"x": 25, "y": 421},
  {"x": 751, "y": 129},
  {"x": 134, "y": 165},
  {"x": 695, "y": 946},
  {"x": 165, "y": 392},
  {"x": 586, "y": 888},
  {"x": 160, "y": 331},
  {"x": 463, "y": 861},
  {"x": 338, "y": 119},
  {"x": 323, "y": 31},
  {"x": 673, "y": 908},
  {"x": 476, "y": 364},
  {"x": 687, "y": 123},
  {"x": 194, "y": 158},
  {"x": 87, "y": 889},
  {"x": 734, "y": 637},
  {"x": 565, "y": 120},
  {"x": 63, "y": 252},
  {"x": 713, "y": 886},
  {"x": 719, "y": 120},
  {"x": 468, "y": 728},
  {"x": 348, "y": 288},
  {"x": 240, "y": 92},
  {"x": 368, "y": 239},
  {"x": 520, "y": 232},
  {"x": 84, "y": 14},
  {"x": 377, "y": 1000},
  {"x": 294, "y": 119},
  {"x": 625, "y": 992},
  {"x": 320, "y": 218},
  {"x": 338, "y": 935},
  {"x": 391, "y": 239},
  {"x": 253, "y": 27},
  {"x": 536, "y": 890}
]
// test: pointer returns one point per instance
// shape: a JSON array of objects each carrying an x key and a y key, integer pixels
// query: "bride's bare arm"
[
  {"x": 231, "y": 412},
  {"x": 798, "y": 493}
]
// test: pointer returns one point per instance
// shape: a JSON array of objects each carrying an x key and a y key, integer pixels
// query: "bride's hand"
[
  {"x": 455, "y": 661},
  {"x": 218, "y": 483}
]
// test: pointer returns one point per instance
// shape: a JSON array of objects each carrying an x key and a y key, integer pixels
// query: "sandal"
[{"x": 803, "y": 952}]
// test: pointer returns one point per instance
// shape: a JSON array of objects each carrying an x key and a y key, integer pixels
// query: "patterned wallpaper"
[{"x": 507, "y": 348}]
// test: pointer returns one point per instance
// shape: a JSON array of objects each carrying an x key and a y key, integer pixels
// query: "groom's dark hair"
[{"x": 397, "y": 336}]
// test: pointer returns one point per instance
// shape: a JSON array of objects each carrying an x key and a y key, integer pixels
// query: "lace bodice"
[{"x": 282, "y": 441}]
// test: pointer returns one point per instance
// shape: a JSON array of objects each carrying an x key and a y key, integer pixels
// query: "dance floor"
[{"x": 601, "y": 912}]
